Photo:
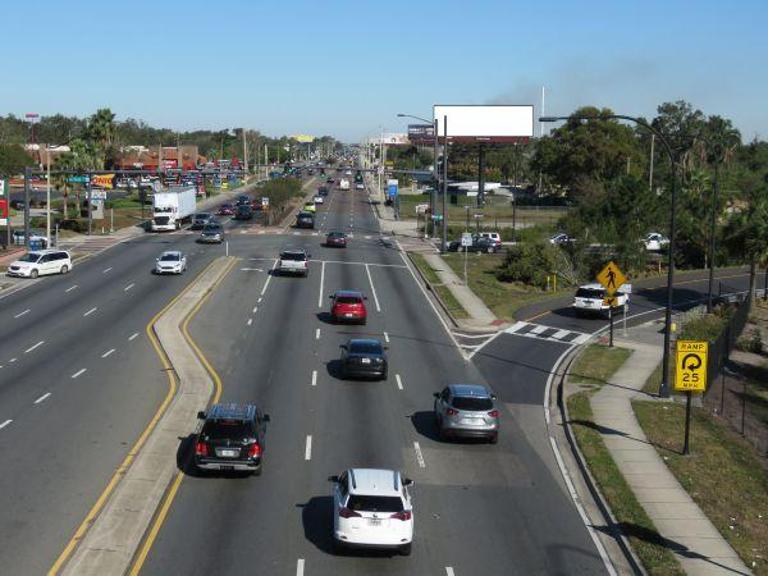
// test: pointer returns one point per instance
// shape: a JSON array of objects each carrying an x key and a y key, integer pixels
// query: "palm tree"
[
  {"x": 101, "y": 134},
  {"x": 747, "y": 232}
]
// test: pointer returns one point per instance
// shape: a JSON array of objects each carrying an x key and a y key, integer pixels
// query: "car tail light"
[
  {"x": 201, "y": 448},
  {"x": 493, "y": 413},
  {"x": 254, "y": 451},
  {"x": 451, "y": 412},
  {"x": 347, "y": 513},
  {"x": 404, "y": 515}
]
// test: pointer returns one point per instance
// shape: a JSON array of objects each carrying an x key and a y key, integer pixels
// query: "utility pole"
[
  {"x": 650, "y": 172},
  {"x": 245, "y": 154},
  {"x": 444, "y": 244},
  {"x": 481, "y": 176},
  {"x": 27, "y": 177}
]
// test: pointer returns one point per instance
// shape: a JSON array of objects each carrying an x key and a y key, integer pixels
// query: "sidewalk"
[{"x": 697, "y": 544}]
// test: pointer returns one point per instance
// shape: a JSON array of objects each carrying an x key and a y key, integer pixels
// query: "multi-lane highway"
[{"x": 79, "y": 381}]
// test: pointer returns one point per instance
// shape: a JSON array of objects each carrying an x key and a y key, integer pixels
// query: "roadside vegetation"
[{"x": 443, "y": 293}]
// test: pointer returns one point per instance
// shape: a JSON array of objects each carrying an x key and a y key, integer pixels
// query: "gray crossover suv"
[{"x": 467, "y": 410}]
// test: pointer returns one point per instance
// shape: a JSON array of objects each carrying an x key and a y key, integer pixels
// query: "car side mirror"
[
  {"x": 333, "y": 478},
  {"x": 365, "y": 297},
  {"x": 436, "y": 394},
  {"x": 201, "y": 415},
  {"x": 493, "y": 396},
  {"x": 267, "y": 418},
  {"x": 343, "y": 346},
  {"x": 330, "y": 296},
  {"x": 408, "y": 482}
]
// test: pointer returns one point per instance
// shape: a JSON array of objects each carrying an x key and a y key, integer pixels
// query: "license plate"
[
  {"x": 365, "y": 360},
  {"x": 228, "y": 453},
  {"x": 348, "y": 315},
  {"x": 471, "y": 420},
  {"x": 374, "y": 521}
]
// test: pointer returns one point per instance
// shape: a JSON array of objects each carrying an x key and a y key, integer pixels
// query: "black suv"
[
  {"x": 243, "y": 212},
  {"x": 305, "y": 220},
  {"x": 231, "y": 438}
]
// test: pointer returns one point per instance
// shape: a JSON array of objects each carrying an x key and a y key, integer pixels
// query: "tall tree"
[{"x": 13, "y": 159}]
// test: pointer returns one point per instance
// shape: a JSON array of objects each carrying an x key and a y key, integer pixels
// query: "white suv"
[
  {"x": 38, "y": 263},
  {"x": 590, "y": 298},
  {"x": 372, "y": 509},
  {"x": 294, "y": 261},
  {"x": 495, "y": 236}
]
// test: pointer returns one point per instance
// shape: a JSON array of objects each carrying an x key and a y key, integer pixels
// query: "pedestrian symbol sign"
[
  {"x": 611, "y": 278},
  {"x": 691, "y": 366}
]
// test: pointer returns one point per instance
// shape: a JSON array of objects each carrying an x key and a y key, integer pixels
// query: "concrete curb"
[
  {"x": 434, "y": 294},
  {"x": 111, "y": 542}
]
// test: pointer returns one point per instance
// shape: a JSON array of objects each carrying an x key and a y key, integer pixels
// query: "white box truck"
[
  {"x": 171, "y": 207},
  {"x": 344, "y": 184}
]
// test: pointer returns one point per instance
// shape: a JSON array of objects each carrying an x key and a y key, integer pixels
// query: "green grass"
[
  {"x": 420, "y": 263},
  {"x": 503, "y": 298},
  {"x": 645, "y": 541},
  {"x": 597, "y": 363},
  {"x": 442, "y": 291},
  {"x": 723, "y": 475}
]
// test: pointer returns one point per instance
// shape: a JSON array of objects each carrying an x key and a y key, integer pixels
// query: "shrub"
[
  {"x": 752, "y": 343},
  {"x": 529, "y": 263}
]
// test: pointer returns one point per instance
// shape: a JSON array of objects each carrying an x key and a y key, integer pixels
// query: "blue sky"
[{"x": 347, "y": 68}]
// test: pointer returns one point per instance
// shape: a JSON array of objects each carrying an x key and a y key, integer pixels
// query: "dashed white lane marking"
[
  {"x": 131, "y": 285},
  {"x": 266, "y": 284},
  {"x": 399, "y": 382},
  {"x": 12, "y": 360},
  {"x": 259, "y": 300},
  {"x": 373, "y": 288},
  {"x": 133, "y": 336},
  {"x": 419, "y": 455},
  {"x": 79, "y": 372},
  {"x": 317, "y": 333},
  {"x": 250, "y": 321},
  {"x": 322, "y": 282},
  {"x": 4, "y": 424},
  {"x": 106, "y": 270},
  {"x": 449, "y": 571},
  {"x": 91, "y": 311},
  {"x": 42, "y": 398},
  {"x": 386, "y": 337},
  {"x": 255, "y": 309},
  {"x": 300, "y": 567},
  {"x": 108, "y": 353},
  {"x": 20, "y": 314},
  {"x": 314, "y": 377},
  {"x": 73, "y": 287},
  {"x": 308, "y": 448},
  {"x": 28, "y": 350}
]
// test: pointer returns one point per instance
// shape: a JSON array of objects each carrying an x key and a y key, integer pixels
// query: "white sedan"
[
  {"x": 171, "y": 262},
  {"x": 655, "y": 242},
  {"x": 319, "y": 199}
]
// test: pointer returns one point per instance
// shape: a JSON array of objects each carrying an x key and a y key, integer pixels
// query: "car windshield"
[
  {"x": 31, "y": 257},
  {"x": 365, "y": 503},
  {"x": 590, "y": 293},
  {"x": 202, "y": 216},
  {"x": 169, "y": 258},
  {"x": 336, "y": 235},
  {"x": 365, "y": 348},
  {"x": 348, "y": 300},
  {"x": 293, "y": 256},
  {"x": 223, "y": 429},
  {"x": 212, "y": 228},
  {"x": 472, "y": 403}
]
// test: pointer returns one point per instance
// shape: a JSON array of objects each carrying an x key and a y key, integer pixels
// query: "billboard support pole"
[
  {"x": 27, "y": 178},
  {"x": 481, "y": 176},
  {"x": 90, "y": 199},
  {"x": 445, "y": 185}
]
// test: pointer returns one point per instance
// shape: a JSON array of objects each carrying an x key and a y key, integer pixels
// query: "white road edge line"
[
  {"x": 20, "y": 314},
  {"x": 42, "y": 398},
  {"x": 28, "y": 350},
  {"x": 108, "y": 353},
  {"x": 4, "y": 424},
  {"x": 300, "y": 567},
  {"x": 399, "y": 382},
  {"x": 131, "y": 285},
  {"x": 266, "y": 284},
  {"x": 106, "y": 270},
  {"x": 322, "y": 282},
  {"x": 314, "y": 377},
  {"x": 133, "y": 336},
  {"x": 79, "y": 372},
  {"x": 317, "y": 333},
  {"x": 91, "y": 311},
  {"x": 449, "y": 571},
  {"x": 386, "y": 337},
  {"x": 373, "y": 289},
  {"x": 250, "y": 321},
  {"x": 255, "y": 309},
  {"x": 419, "y": 455},
  {"x": 308, "y": 448},
  {"x": 12, "y": 360},
  {"x": 71, "y": 288}
]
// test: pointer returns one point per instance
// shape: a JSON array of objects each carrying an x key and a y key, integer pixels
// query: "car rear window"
[
  {"x": 472, "y": 403},
  {"x": 365, "y": 348},
  {"x": 293, "y": 256},
  {"x": 365, "y": 503},
  {"x": 347, "y": 300},
  {"x": 169, "y": 258},
  {"x": 222, "y": 429},
  {"x": 590, "y": 293}
]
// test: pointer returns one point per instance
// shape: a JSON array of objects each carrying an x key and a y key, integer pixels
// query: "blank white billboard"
[{"x": 500, "y": 123}]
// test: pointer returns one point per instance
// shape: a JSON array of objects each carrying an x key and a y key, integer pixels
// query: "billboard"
[
  {"x": 421, "y": 133},
  {"x": 494, "y": 123},
  {"x": 392, "y": 139},
  {"x": 303, "y": 138}
]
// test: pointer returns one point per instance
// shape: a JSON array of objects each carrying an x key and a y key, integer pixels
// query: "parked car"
[
  {"x": 171, "y": 262},
  {"x": 305, "y": 220},
  {"x": 591, "y": 299},
  {"x": 348, "y": 306},
  {"x": 336, "y": 240},
  {"x": 294, "y": 261},
  {"x": 495, "y": 236},
  {"x": 655, "y": 242},
  {"x": 201, "y": 219},
  {"x": 363, "y": 358},
  {"x": 560, "y": 239},
  {"x": 372, "y": 508},
  {"x": 479, "y": 244},
  {"x": 40, "y": 263},
  {"x": 212, "y": 233},
  {"x": 231, "y": 438},
  {"x": 467, "y": 410}
]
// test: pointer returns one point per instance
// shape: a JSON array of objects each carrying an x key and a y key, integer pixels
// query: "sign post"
[
  {"x": 612, "y": 278},
  {"x": 690, "y": 376},
  {"x": 466, "y": 242}
]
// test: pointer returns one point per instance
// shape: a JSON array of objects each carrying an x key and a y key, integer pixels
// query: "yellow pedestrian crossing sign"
[
  {"x": 691, "y": 365},
  {"x": 611, "y": 278}
]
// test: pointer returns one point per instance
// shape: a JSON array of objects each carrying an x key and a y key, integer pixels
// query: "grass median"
[
  {"x": 597, "y": 363},
  {"x": 442, "y": 291},
  {"x": 723, "y": 474}
]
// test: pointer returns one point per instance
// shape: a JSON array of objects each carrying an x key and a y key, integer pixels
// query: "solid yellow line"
[
  {"x": 162, "y": 514},
  {"x": 537, "y": 316},
  {"x": 125, "y": 464}
]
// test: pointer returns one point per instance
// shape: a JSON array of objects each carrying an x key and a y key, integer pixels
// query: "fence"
[{"x": 720, "y": 349}]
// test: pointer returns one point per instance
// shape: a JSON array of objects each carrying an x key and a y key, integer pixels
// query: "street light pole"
[
  {"x": 444, "y": 242},
  {"x": 664, "y": 389}
]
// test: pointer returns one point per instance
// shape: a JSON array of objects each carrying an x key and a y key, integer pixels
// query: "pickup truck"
[{"x": 294, "y": 261}]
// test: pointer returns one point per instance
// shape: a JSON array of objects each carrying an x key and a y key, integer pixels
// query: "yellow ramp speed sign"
[{"x": 691, "y": 366}]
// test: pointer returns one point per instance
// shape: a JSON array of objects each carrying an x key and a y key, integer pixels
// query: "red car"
[
  {"x": 226, "y": 210},
  {"x": 348, "y": 306},
  {"x": 336, "y": 239}
]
